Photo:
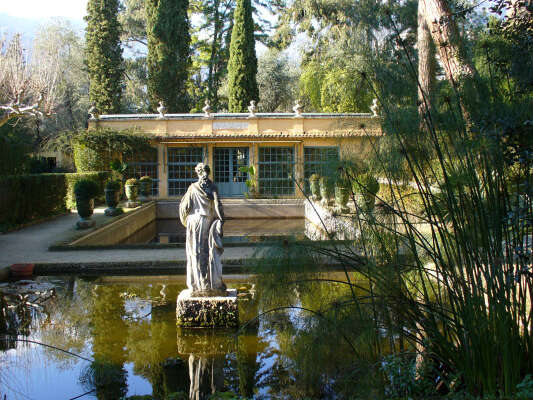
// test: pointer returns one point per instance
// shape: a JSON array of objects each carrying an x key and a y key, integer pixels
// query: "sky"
[{"x": 43, "y": 9}]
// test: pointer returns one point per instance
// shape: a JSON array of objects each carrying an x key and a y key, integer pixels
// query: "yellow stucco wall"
[{"x": 352, "y": 133}]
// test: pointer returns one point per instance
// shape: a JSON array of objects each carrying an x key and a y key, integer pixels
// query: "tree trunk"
[
  {"x": 427, "y": 65},
  {"x": 459, "y": 70}
]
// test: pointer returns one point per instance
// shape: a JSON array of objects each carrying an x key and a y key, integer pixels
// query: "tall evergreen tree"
[
  {"x": 104, "y": 55},
  {"x": 167, "y": 27},
  {"x": 242, "y": 67}
]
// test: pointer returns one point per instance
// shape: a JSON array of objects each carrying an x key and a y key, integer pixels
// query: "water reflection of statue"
[{"x": 201, "y": 213}]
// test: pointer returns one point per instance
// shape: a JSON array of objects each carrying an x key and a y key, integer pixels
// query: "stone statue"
[
  {"x": 374, "y": 108},
  {"x": 297, "y": 109},
  {"x": 161, "y": 110},
  {"x": 201, "y": 213},
  {"x": 207, "y": 109},
  {"x": 251, "y": 109}
]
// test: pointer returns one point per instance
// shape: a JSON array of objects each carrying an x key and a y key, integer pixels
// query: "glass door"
[{"x": 229, "y": 180}]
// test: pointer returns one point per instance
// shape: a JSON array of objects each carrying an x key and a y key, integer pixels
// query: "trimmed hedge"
[{"x": 24, "y": 198}]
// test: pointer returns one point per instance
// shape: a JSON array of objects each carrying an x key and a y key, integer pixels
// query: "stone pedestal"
[
  {"x": 85, "y": 223},
  {"x": 207, "y": 312},
  {"x": 112, "y": 211},
  {"x": 132, "y": 204}
]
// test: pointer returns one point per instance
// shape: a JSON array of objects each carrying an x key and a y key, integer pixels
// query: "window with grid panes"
[
  {"x": 276, "y": 168},
  {"x": 320, "y": 160},
  {"x": 181, "y": 163},
  {"x": 146, "y": 167}
]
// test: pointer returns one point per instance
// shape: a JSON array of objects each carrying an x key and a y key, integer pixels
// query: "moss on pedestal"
[{"x": 207, "y": 312}]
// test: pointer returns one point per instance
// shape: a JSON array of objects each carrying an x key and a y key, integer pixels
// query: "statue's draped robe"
[{"x": 203, "y": 240}]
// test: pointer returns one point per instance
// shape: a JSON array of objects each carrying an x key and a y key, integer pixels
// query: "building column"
[
  {"x": 299, "y": 169},
  {"x": 162, "y": 170}
]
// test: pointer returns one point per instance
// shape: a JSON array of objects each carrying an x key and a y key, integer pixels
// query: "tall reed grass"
[{"x": 452, "y": 280}]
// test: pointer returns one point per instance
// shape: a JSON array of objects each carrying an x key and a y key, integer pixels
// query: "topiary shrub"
[
  {"x": 112, "y": 184},
  {"x": 99, "y": 177},
  {"x": 86, "y": 188}
]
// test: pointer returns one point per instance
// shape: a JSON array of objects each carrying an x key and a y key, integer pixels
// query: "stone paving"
[{"x": 30, "y": 245}]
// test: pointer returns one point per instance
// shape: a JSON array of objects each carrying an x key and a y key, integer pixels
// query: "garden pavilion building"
[{"x": 284, "y": 148}]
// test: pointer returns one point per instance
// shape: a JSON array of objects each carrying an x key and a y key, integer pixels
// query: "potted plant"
[
  {"x": 314, "y": 185},
  {"x": 85, "y": 190},
  {"x": 251, "y": 182},
  {"x": 342, "y": 193},
  {"x": 131, "y": 188},
  {"x": 145, "y": 188},
  {"x": 326, "y": 190},
  {"x": 366, "y": 186},
  {"x": 112, "y": 194}
]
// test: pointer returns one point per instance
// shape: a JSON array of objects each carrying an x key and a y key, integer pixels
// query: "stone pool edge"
[{"x": 133, "y": 267}]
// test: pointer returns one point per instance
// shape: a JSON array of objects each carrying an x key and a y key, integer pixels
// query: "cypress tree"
[
  {"x": 242, "y": 67},
  {"x": 104, "y": 55},
  {"x": 167, "y": 28}
]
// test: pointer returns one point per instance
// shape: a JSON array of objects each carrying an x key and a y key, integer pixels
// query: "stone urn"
[
  {"x": 365, "y": 188},
  {"x": 112, "y": 196},
  {"x": 145, "y": 188},
  {"x": 342, "y": 195},
  {"x": 325, "y": 191},
  {"x": 85, "y": 207},
  {"x": 314, "y": 186},
  {"x": 132, "y": 192},
  {"x": 85, "y": 190}
]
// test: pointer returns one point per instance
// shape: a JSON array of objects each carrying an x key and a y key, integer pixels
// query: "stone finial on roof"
[
  {"x": 93, "y": 112},
  {"x": 251, "y": 109},
  {"x": 161, "y": 110},
  {"x": 374, "y": 108},
  {"x": 207, "y": 109},
  {"x": 297, "y": 107}
]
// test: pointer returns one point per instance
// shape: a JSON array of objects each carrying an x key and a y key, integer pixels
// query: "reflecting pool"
[{"x": 120, "y": 340}]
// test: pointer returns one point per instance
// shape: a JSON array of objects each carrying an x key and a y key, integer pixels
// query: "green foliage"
[
  {"x": 145, "y": 179},
  {"x": 97, "y": 149},
  {"x": 242, "y": 66},
  {"x": 24, "y": 198},
  {"x": 132, "y": 182},
  {"x": 15, "y": 146},
  {"x": 104, "y": 55},
  {"x": 113, "y": 184},
  {"x": 314, "y": 177},
  {"x": 86, "y": 188},
  {"x": 167, "y": 27},
  {"x": 365, "y": 183},
  {"x": 334, "y": 86},
  {"x": 99, "y": 178},
  {"x": 276, "y": 79},
  {"x": 525, "y": 388}
]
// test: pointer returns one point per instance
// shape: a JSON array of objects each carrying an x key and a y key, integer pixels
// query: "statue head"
[{"x": 202, "y": 170}]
